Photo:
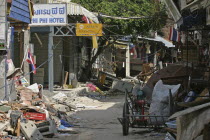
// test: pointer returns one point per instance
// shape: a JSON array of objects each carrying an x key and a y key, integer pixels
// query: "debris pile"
[{"x": 32, "y": 116}]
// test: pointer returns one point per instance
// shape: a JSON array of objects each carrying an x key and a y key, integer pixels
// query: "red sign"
[{"x": 35, "y": 116}]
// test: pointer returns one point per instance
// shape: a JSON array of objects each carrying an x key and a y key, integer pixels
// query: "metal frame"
[
  {"x": 131, "y": 117},
  {"x": 64, "y": 30}
]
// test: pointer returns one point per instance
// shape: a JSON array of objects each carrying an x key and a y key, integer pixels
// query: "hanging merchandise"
[
  {"x": 148, "y": 48},
  {"x": 183, "y": 37},
  {"x": 174, "y": 55},
  {"x": 133, "y": 51}
]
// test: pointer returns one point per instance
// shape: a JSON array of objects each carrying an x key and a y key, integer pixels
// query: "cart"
[{"x": 135, "y": 114}]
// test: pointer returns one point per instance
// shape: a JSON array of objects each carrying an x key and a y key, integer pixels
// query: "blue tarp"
[{"x": 20, "y": 11}]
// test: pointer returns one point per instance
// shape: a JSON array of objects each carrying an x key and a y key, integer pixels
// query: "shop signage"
[
  {"x": 208, "y": 15},
  {"x": 49, "y": 15},
  {"x": 85, "y": 29}
]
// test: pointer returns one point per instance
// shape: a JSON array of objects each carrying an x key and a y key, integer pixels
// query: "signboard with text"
[
  {"x": 49, "y": 15},
  {"x": 84, "y": 29}
]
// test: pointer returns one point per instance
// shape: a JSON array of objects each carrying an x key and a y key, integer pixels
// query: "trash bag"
[{"x": 160, "y": 101}]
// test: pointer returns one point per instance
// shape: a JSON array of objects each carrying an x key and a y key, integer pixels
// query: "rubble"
[
  {"x": 122, "y": 85},
  {"x": 30, "y": 130},
  {"x": 36, "y": 113}
]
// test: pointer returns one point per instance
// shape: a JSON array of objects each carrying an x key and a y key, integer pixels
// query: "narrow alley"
[
  {"x": 104, "y": 69},
  {"x": 101, "y": 123}
]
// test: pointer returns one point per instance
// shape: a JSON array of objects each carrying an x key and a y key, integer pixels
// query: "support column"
[
  {"x": 50, "y": 60},
  {"x": 26, "y": 68},
  {"x": 127, "y": 71}
]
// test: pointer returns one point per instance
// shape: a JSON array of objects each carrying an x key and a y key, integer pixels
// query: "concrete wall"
[
  {"x": 67, "y": 51},
  {"x": 41, "y": 53}
]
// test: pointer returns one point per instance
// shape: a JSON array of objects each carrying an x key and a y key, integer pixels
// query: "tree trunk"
[{"x": 87, "y": 72}]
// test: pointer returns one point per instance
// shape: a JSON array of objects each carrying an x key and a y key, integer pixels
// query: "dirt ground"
[{"x": 100, "y": 123}]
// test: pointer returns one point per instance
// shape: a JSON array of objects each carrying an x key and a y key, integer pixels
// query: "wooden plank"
[
  {"x": 189, "y": 110},
  {"x": 17, "y": 131},
  {"x": 193, "y": 103},
  {"x": 171, "y": 130},
  {"x": 66, "y": 77}
]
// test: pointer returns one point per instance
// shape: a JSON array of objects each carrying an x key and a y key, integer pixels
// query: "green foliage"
[{"x": 154, "y": 10}]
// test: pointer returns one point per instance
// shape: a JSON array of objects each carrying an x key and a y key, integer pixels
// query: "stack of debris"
[
  {"x": 182, "y": 93},
  {"x": 31, "y": 116},
  {"x": 25, "y": 113}
]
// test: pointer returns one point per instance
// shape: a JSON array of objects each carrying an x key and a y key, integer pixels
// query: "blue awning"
[{"x": 20, "y": 11}]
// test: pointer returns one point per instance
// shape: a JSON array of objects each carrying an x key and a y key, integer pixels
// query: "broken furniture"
[
  {"x": 105, "y": 79},
  {"x": 146, "y": 73}
]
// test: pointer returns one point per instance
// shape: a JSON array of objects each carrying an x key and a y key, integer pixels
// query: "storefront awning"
[
  {"x": 159, "y": 39},
  {"x": 121, "y": 45},
  {"x": 76, "y": 9}
]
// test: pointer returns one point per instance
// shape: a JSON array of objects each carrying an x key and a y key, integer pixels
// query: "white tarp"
[{"x": 160, "y": 101}]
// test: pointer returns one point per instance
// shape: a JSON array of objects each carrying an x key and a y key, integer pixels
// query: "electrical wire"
[
  {"x": 29, "y": 72},
  {"x": 124, "y": 18}
]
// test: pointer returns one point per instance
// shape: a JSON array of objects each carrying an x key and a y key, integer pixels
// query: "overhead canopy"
[
  {"x": 121, "y": 45},
  {"x": 76, "y": 9},
  {"x": 159, "y": 39}
]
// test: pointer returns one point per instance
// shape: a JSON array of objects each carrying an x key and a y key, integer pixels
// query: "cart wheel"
[{"x": 125, "y": 121}]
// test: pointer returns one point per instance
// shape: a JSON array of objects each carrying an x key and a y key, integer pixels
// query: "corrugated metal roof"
[
  {"x": 20, "y": 11},
  {"x": 76, "y": 9}
]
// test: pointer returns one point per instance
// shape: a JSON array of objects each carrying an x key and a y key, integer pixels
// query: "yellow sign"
[{"x": 91, "y": 29}]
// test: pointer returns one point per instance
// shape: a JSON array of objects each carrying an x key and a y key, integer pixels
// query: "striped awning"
[{"x": 76, "y": 9}]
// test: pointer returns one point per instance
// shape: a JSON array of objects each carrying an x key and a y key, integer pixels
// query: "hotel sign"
[{"x": 49, "y": 15}]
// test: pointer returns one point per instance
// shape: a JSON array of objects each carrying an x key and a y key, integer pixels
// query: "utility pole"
[
  {"x": 50, "y": 60},
  {"x": 3, "y": 40}
]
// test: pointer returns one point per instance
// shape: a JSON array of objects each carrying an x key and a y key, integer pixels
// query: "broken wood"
[
  {"x": 193, "y": 103},
  {"x": 17, "y": 131},
  {"x": 65, "y": 80},
  {"x": 171, "y": 130},
  {"x": 205, "y": 92},
  {"x": 189, "y": 110}
]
